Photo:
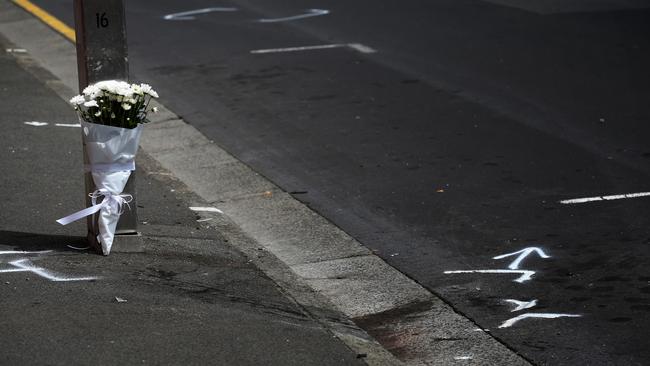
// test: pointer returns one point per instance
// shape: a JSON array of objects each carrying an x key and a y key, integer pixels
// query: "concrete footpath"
[{"x": 190, "y": 298}]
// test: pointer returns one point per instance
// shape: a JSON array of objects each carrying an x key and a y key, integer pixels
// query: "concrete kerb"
[{"x": 314, "y": 261}]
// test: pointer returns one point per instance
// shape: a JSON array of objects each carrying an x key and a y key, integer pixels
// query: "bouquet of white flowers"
[{"x": 112, "y": 113}]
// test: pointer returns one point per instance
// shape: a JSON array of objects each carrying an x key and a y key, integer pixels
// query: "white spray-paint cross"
[{"x": 25, "y": 265}]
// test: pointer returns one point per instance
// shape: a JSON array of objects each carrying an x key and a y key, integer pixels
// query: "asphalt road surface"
[{"x": 451, "y": 144}]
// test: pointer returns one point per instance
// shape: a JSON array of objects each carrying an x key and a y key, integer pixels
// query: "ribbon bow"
[{"x": 112, "y": 203}]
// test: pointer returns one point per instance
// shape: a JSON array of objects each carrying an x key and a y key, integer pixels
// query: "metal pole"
[{"x": 100, "y": 28}]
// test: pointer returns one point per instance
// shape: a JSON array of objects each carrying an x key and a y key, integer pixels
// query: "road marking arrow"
[{"x": 522, "y": 254}]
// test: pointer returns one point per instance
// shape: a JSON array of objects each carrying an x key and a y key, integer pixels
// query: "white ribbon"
[{"x": 111, "y": 203}]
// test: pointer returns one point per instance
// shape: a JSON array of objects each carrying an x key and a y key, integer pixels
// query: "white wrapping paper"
[{"x": 111, "y": 158}]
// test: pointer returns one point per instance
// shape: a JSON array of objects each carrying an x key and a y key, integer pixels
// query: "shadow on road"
[{"x": 34, "y": 242}]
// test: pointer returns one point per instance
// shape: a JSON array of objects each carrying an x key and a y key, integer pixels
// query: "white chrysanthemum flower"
[
  {"x": 147, "y": 89},
  {"x": 91, "y": 103},
  {"x": 98, "y": 113},
  {"x": 92, "y": 91},
  {"x": 137, "y": 89},
  {"x": 126, "y": 106},
  {"x": 77, "y": 100},
  {"x": 112, "y": 115}
]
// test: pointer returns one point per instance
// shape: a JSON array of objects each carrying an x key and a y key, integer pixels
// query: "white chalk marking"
[
  {"x": 204, "y": 220},
  {"x": 525, "y": 275},
  {"x": 11, "y": 270},
  {"x": 294, "y": 49},
  {"x": 605, "y": 198},
  {"x": 3, "y": 252},
  {"x": 310, "y": 13},
  {"x": 510, "y": 322},
  {"x": 36, "y": 124},
  {"x": 188, "y": 15},
  {"x": 24, "y": 265},
  {"x": 206, "y": 209},
  {"x": 67, "y": 124},
  {"x": 355, "y": 46},
  {"x": 522, "y": 254},
  {"x": 521, "y": 305},
  {"x": 361, "y": 48},
  {"x": 463, "y": 358}
]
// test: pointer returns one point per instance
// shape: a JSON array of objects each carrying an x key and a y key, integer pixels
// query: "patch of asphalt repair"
[{"x": 341, "y": 283}]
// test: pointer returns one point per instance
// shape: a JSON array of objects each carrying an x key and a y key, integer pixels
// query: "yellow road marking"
[{"x": 47, "y": 18}]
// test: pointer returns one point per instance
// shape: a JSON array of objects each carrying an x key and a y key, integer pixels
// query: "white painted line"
[
  {"x": 206, "y": 209},
  {"x": 361, "y": 48},
  {"x": 521, "y": 305},
  {"x": 522, "y": 254},
  {"x": 525, "y": 275},
  {"x": 605, "y": 198},
  {"x": 187, "y": 15},
  {"x": 11, "y": 270},
  {"x": 2, "y": 252},
  {"x": 294, "y": 49},
  {"x": 16, "y": 50},
  {"x": 204, "y": 220},
  {"x": 310, "y": 13},
  {"x": 36, "y": 124},
  {"x": 67, "y": 124},
  {"x": 510, "y": 322},
  {"x": 355, "y": 46}
]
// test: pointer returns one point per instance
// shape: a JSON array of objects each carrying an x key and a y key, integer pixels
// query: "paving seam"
[{"x": 321, "y": 267}]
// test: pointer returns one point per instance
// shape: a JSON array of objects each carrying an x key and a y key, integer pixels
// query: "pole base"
[
  {"x": 122, "y": 243},
  {"x": 128, "y": 243}
]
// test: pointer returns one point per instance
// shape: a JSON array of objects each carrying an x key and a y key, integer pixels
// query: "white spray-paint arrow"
[
  {"x": 522, "y": 254},
  {"x": 189, "y": 15},
  {"x": 310, "y": 13},
  {"x": 521, "y": 305},
  {"x": 510, "y": 322}
]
